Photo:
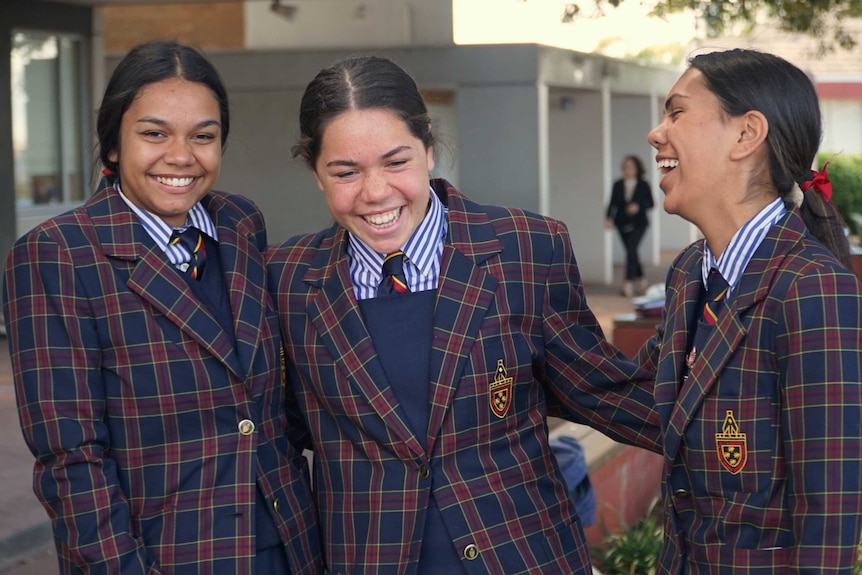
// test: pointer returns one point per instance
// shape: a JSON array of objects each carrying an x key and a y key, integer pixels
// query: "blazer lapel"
[
  {"x": 336, "y": 316},
  {"x": 730, "y": 330},
  {"x": 682, "y": 312},
  {"x": 244, "y": 276},
  {"x": 152, "y": 277}
]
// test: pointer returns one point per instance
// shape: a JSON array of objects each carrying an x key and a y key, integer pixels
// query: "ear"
[
  {"x": 317, "y": 178},
  {"x": 752, "y": 128},
  {"x": 114, "y": 156},
  {"x": 430, "y": 158}
]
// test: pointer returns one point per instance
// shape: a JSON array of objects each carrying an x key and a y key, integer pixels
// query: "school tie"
[
  {"x": 715, "y": 293},
  {"x": 393, "y": 280},
  {"x": 193, "y": 240}
]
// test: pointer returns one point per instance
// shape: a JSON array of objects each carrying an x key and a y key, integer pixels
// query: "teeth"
[
  {"x": 668, "y": 164},
  {"x": 175, "y": 182},
  {"x": 383, "y": 219}
]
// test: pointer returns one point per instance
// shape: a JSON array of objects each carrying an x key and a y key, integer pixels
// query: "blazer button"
[
  {"x": 423, "y": 471},
  {"x": 681, "y": 493},
  {"x": 246, "y": 427},
  {"x": 276, "y": 505},
  {"x": 471, "y": 552}
]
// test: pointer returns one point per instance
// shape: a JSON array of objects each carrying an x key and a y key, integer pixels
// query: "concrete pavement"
[{"x": 26, "y": 546}]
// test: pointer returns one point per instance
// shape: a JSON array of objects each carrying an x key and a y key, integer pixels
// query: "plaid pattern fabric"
[
  {"x": 131, "y": 397},
  {"x": 763, "y": 454},
  {"x": 513, "y": 340}
]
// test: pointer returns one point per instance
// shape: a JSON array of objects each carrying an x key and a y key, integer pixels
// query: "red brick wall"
[{"x": 207, "y": 26}]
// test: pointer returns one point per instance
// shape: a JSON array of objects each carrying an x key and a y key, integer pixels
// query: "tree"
[{"x": 822, "y": 19}]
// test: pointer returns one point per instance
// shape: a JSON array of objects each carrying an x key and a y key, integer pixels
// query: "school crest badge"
[
  {"x": 500, "y": 391},
  {"x": 731, "y": 445}
]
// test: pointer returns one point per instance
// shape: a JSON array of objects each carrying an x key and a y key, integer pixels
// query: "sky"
[{"x": 538, "y": 21}]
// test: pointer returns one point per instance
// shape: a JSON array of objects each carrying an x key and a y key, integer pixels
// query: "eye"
[
  {"x": 204, "y": 138},
  {"x": 153, "y": 134},
  {"x": 345, "y": 174},
  {"x": 674, "y": 113}
]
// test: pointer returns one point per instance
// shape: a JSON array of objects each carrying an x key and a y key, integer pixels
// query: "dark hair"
[
  {"x": 639, "y": 165},
  {"x": 146, "y": 64},
  {"x": 359, "y": 83},
  {"x": 745, "y": 80}
]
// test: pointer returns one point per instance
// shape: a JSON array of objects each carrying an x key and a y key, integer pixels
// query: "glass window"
[{"x": 47, "y": 119}]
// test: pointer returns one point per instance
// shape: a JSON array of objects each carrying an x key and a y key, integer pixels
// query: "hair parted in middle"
[{"x": 359, "y": 83}]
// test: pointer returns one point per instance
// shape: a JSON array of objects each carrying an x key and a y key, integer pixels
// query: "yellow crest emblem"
[
  {"x": 500, "y": 391},
  {"x": 731, "y": 445}
]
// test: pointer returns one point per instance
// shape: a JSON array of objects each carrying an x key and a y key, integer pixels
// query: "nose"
[
  {"x": 179, "y": 152},
  {"x": 656, "y": 136},
  {"x": 374, "y": 186}
]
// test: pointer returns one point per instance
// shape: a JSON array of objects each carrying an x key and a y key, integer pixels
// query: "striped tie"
[
  {"x": 393, "y": 280},
  {"x": 715, "y": 292},
  {"x": 193, "y": 240}
]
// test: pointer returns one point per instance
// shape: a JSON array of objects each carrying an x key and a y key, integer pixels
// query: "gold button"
[
  {"x": 682, "y": 493},
  {"x": 276, "y": 505},
  {"x": 246, "y": 427},
  {"x": 423, "y": 470},
  {"x": 471, "y": 552}
]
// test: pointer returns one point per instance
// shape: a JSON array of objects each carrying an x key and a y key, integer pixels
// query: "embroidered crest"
[
  {"x": 731, "y": 445},
  {"x": 500, "y": 391}
]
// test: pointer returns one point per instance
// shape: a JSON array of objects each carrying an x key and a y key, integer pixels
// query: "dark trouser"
[{"x": 631, "y": 240}]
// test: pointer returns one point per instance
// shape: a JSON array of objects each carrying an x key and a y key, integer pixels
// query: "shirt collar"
[
  {"x": 742, "y": 245},
  {"x": 161, "y": 231}
]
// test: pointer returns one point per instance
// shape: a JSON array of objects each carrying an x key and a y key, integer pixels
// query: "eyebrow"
[
  {"x": 387, "y": 155},
  {"x": 670, "y": 100},
  {"x": 160, "y": 122}
]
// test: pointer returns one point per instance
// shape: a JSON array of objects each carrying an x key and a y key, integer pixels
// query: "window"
[{"x": 47, "y": 119}]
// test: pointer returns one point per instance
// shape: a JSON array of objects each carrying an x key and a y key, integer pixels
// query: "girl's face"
[
  {"x": 169, "y": 150},
  {"x": 374, "y": 174},
  {"x": 693, "y": 142}
]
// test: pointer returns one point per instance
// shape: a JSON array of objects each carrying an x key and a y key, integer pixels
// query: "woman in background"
[{"x": 631, "y": 197}]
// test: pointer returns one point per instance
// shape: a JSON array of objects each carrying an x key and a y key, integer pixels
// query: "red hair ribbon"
[
  {"x": 821, "y": 183},
  {"x": 107, "y": 171}
]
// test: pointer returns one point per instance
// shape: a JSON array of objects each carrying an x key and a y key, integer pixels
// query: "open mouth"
[
  {"x": 175, "y": 182},
  {"x": 384, "y": 219}
]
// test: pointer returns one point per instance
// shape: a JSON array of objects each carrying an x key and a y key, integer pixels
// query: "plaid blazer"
[
  {"x": 136, "y": 403},
  {"x": 762, "y": 442},
  {"x": 513, "y": 339}
]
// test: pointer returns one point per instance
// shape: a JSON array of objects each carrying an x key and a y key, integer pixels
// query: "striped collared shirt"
[
  {"x": 422, "y": 254},
  {"x": 742, "y": 245},
  {"x": 161, "y": 231}
]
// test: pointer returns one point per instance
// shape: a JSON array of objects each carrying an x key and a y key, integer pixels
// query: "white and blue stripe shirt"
[
  {"x": 731, "y": 263},
  {"x": 161, "y": 232},
  {"x": 422, "y": 254}
]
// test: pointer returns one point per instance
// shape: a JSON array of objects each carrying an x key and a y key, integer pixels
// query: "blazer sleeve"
[
  {"x": 821, "y": 418},
  {"x": 613, "y": 203},
  {"x": 645, "y": 196},
  {"x": 590, "y": 380},
  {"x": 55, "y": 354}
]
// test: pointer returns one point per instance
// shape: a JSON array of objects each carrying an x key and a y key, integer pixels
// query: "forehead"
[
  {"x": 174, "y": 92},
  {"x": 366, "y": 127},
  {"x": 689, "y": 86}
]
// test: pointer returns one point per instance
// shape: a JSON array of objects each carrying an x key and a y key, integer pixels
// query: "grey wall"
[
  {"x": 576, "y": 181},
  {"x": 499, "y": 135}
]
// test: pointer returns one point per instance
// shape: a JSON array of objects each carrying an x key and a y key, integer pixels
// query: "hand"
[{"x": 609, "y": 224}]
